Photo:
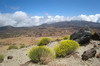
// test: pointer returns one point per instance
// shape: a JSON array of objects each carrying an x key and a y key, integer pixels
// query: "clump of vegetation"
[
  {"x": 44, "y": 41},
  {"x": 66, "y": 37},
  {"x": 1, "y": 57},
  {"x": 65, "y": 47},
  {"x": 41, "y": 54},
  {"x": 12, "y": 47},
  {"x": 22, "y": 46}
]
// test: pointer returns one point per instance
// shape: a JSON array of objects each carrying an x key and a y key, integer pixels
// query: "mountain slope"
[
  {"x": 75, "y": 24},
  {"x": 53, "y": 29}
]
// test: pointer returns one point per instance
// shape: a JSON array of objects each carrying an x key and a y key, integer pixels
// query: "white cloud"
[{"x": 20, "y": 19}]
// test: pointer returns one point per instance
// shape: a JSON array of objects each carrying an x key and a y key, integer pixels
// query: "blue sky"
[
  {"x": 21, "y": 13},
  {"x": 51, "y": 7}
]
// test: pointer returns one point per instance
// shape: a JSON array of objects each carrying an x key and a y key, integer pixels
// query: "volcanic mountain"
[{"x": 52, "y": 29}]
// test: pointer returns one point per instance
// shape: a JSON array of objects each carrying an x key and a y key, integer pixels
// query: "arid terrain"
[
  {"x": 30, "y": 36},
  {"x": 49, "y": 32},
  {"x": 20, "y": 57},
  {"x": 27, "y": 41}
]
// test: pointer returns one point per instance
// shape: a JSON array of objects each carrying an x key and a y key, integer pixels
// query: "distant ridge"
[
  {"x": 6, "y": 27},
  {"x": 53, "y": 29},
  {"x": 63, "y": 24},
  {"x": 75, "y": 24}
]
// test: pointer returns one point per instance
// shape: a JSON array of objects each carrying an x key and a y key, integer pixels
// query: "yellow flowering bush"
[
  {"x": 65, "y": 47},
  {"x": 44, "y": 41}
]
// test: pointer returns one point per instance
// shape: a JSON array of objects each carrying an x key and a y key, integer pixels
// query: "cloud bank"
[{"x": 22, "y": 19}]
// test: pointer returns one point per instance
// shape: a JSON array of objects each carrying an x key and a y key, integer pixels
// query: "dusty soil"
[
  {"x": 20, "y": 57},
  {"x": 27, "y": 41}
]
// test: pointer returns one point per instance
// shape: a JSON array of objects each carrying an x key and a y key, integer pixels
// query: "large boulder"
[
  {"x": 96, "y": 36},
  {"x": 82, "y": 36},
  {"x": 88, "y": 54}
]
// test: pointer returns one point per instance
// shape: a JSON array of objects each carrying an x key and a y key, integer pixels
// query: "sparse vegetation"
[
  {"x": 44, "y": 41},
  {"x": 66, "y": 37},
  {"x": 12, "y": 47},
  {"x": 1, "y": 57},
  {"x": 22, "y": 46},
  {"x": 42, "y": 54},
  {"x": 65, "y": 47}
]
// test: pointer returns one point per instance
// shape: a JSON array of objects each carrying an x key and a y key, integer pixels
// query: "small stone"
[
  {"x": 9, "y": 57},
  {"x": 98, "y": 55}
]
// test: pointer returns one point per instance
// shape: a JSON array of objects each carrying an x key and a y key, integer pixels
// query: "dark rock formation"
[
  {"x": 96, "y": 36},
  {"x": 88, "y": 54},
  {"x": 82, "y": 36}
]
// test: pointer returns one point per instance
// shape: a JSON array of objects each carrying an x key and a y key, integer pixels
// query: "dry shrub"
[{"x": 41, "y": 54}]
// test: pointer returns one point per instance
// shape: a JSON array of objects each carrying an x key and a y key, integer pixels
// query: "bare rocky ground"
[{"x": 20, "y": 57}]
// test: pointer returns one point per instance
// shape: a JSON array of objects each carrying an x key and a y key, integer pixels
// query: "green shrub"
[
  {"x": 66, "y": 37},
  {"x": 12, "y": 47},
  {"x": 44, "y": 41},
  {"x": 42, "y": 54},
  {"x": 1, "y": 57},
  {"x": 65, "y": 47},
  {"x": 22, "y": 46}
]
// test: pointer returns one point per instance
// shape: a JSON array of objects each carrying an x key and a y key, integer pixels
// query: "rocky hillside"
[
  {"x": 74, "y": 24},
  {"x": 53, "y": 29}
]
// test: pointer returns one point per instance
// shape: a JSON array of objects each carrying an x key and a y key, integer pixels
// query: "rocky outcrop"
[
  {"x": 88, "y": 54},
  {"x": 82, "y": 36},
  {"x": 96, "y": 36}
]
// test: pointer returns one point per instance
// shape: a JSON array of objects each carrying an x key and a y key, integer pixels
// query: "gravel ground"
[{"x": 20, "y": 57}]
